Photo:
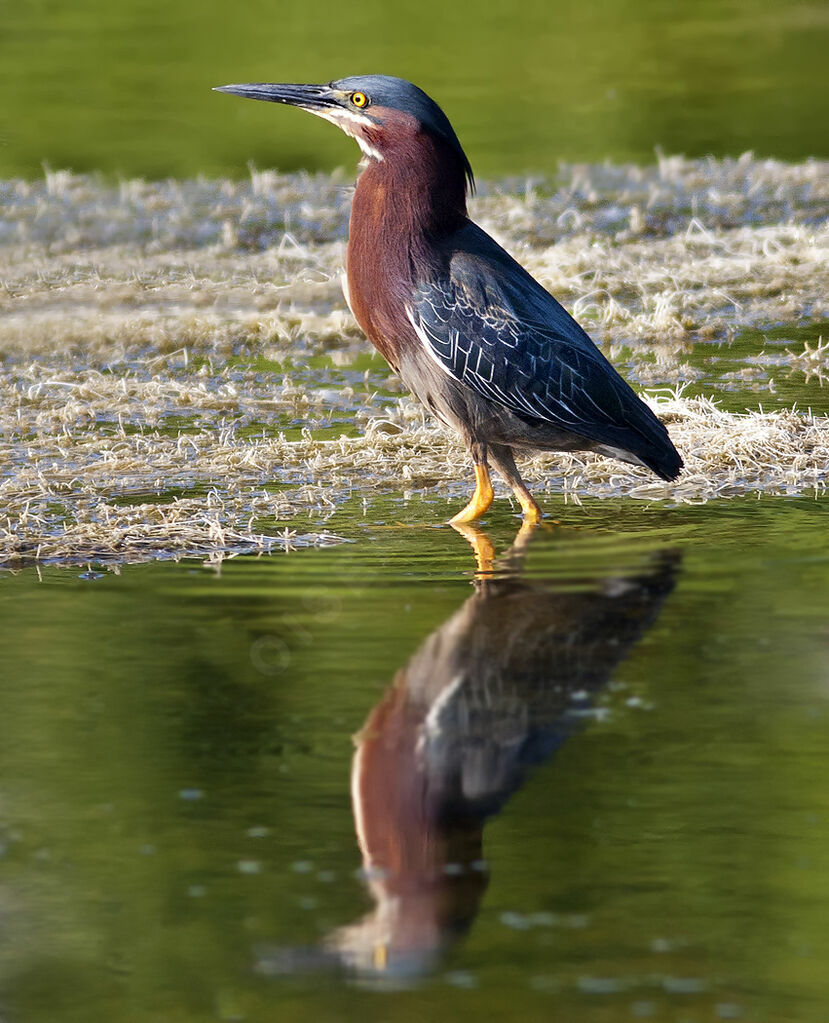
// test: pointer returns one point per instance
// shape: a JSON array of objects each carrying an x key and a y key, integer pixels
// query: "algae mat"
[{"x": 180, "y": 374}]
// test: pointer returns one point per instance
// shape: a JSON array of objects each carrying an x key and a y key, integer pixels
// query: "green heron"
[{"x": 477, "y": 339}]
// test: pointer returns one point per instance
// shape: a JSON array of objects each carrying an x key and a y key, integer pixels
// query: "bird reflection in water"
[{"x": 490, "y": 693}]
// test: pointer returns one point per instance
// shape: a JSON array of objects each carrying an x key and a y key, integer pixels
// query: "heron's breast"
[{"x": 378, "y": 270}]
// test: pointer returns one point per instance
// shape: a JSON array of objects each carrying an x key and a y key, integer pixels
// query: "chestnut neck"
[
  {"x": 412, "y": 198},
  {"x": 405, "y": 208}
]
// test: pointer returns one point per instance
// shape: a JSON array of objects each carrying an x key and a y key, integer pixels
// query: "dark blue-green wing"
[{"x": 490, "y": 325}]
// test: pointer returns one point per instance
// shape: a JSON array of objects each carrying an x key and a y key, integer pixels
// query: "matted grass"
[{"x": 139, "y": 323}]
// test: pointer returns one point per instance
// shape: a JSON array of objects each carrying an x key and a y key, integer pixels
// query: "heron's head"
[{"x": 382, "y": 113}]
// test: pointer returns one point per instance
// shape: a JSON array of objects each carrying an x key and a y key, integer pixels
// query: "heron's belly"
[{"x": 477, "y": 419}]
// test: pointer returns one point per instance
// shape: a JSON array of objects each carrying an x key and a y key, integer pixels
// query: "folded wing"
[{"x": 490, "y": 325}]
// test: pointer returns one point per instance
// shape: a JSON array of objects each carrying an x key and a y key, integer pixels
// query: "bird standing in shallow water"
[{"x": 477, "y": 339}]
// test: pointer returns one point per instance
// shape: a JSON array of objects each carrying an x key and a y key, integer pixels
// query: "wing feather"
[{"x": 490, "y": 325}]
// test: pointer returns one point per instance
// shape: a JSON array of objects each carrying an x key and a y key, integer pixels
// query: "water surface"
[{"x": 608, "y": 761}]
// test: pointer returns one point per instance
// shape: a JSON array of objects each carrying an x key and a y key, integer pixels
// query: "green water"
[
  {"x": 125, "y": 87},
  {"x": 608, "y": 775}
]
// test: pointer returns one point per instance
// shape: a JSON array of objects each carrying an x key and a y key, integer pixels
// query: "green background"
[{"x": 125, "y": 87}]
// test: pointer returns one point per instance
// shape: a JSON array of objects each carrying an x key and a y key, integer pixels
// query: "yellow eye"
[{"x": 359, "y": 99}]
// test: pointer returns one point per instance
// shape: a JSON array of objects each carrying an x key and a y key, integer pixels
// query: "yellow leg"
[
  {"x": 532, "y": 513},
  {"x": 481, "y": 499},
  {"x": 503, "y": 459},
  {"x": 480, "y": 544}
]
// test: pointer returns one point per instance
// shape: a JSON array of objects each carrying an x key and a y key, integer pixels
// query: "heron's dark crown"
[{"x": 398, "y": 94}]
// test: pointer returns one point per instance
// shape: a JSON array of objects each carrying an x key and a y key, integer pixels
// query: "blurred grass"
[{"x": 125, "y": 88}]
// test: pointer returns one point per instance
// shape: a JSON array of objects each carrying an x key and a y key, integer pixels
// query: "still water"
[{"x": 367, "y": 782}]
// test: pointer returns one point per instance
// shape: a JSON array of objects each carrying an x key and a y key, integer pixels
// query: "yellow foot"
[
  {"x": 480, "y": 544},
  {"x": 481, "y": 499},
  {"x": 532, "y": 513}
]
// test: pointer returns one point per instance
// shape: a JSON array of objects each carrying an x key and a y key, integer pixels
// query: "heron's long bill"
[{"x": 310, "y": 97}]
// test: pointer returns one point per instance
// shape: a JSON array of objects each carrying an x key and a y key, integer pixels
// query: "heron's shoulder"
[
  {"x": 473, "y": 253},
  {"x": 490, "y": 279}
]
